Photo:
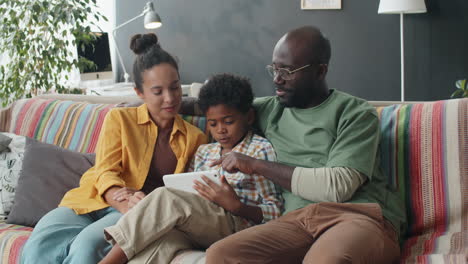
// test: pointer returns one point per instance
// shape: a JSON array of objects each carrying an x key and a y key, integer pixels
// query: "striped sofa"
[{"x": 424, "y": 153}]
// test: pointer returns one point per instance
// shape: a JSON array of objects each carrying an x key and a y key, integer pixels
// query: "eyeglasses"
[{"x": 283, "y": 73}]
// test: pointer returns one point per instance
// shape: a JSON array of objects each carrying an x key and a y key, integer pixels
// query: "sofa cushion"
[
  {"x": 48, "y": 172},
  {"x": 11, "y": 163},
  {"x": 4, "y": 142},
  {"x": 425, "y": 153}
]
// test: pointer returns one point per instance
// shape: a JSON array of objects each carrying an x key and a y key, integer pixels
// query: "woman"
[{"x": 136, "y": 148}]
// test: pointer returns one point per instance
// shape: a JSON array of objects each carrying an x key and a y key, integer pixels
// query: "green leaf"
[
  {"x": 36, "y": 8},
  {"x": 457, "y": 94},
  {"x": 461, "y": 84}
]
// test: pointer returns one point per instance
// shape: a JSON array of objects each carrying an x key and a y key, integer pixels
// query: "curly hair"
[
  {"x": 149, "y": 53},
  {"x": 227, "y": 89}
]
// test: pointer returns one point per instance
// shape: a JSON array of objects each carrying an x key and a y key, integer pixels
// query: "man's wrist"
[{"x": 256, "y": 166}]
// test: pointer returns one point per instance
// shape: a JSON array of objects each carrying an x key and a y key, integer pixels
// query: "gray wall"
[{"x": 238, "y": 36}]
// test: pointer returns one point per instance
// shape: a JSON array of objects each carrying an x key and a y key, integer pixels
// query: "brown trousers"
[{"x": 319, "y": 233}]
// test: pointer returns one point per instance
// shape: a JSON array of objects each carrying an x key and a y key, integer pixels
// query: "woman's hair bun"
[{"x": 141, "y": 43}]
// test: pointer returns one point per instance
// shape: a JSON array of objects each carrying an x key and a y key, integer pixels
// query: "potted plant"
[
  {"x": 38, "y": 38},
  {"x": 462, "y": 89}
]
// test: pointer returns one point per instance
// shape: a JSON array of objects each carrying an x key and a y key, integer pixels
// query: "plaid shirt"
[{"x": 254, "y": 189}]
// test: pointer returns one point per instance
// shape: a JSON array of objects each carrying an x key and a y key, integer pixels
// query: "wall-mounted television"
[{"x": 96, "y": 51}]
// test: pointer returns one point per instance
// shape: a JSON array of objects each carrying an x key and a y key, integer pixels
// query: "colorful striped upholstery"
[
  {"x": 198, "y": 121},
  {"x": 12, "y": 239},
  {"x": 68, "y": 124},
  {"x": 425, "y": 153}
]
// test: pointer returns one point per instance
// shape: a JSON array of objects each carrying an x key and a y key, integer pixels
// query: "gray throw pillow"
[
  {"x": 4, "y": 142},
  {"x": 48, "y": 173}
]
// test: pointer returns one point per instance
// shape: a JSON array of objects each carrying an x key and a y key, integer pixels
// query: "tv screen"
[{"x": 95, "y": 56}]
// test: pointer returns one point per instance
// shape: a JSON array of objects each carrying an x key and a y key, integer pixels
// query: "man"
[{"x": 338, "y": 206}]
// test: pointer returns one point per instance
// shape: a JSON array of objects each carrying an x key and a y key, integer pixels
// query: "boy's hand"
[
  {"x": 234, "y": 162},
  {"x": 223, "y": 195}
]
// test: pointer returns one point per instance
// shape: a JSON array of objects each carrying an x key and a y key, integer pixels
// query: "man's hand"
[
  {"x": 234, "y": 162},
  {"x": 135, "y": 198},
  {"x": 278, "y": 173},
  {"x": 223, "y": 195}
]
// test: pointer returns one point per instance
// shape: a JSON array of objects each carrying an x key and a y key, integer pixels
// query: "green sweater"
[{"x": 343, "y": 131}]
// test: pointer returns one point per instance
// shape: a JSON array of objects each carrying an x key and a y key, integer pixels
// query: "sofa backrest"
[
  {"x": 424, "y": 148},
  {"x": 68, "y": 124},
  {"x": 74, "y": 125}
]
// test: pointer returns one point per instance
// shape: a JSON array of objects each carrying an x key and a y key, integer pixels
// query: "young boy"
[{"x": 169, "y": 220}]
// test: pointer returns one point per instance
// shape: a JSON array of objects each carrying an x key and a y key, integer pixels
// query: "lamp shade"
[
  {"x": 152, "y": 20},
  {"x": 402, "y": 6}
]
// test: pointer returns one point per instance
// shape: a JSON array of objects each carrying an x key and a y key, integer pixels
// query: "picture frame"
[{"x": 320, "y": 4}]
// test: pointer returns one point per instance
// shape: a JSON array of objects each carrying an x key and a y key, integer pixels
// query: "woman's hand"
[
  {"x": 135, "y": 198},
  {"x": 122, "y": 207},
  {"x": 114, "y": 192},
  {"x": 123, "y": 194},
  {"x": 223, "y": 195}
]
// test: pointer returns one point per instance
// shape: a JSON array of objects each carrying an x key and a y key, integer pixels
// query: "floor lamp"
[
  {"x": 151, "y": 21},
  {"x": 402, "y": 7}
]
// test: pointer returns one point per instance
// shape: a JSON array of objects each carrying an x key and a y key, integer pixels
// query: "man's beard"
[
  {"x": 286, "y": 100},
  {"x": 294, "y": 98}
]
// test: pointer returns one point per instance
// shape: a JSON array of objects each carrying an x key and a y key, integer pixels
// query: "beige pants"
[
  {"x": 330, "y": 233},
  {"x": 168, "y": 220}
]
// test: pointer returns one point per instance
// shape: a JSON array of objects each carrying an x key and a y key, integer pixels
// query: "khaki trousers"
[
  {"x": 319, "y": 233},
  {"x": 169, "y": 220}
]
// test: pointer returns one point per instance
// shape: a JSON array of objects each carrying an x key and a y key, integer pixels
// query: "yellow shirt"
[{"x": 124, "y": 151}]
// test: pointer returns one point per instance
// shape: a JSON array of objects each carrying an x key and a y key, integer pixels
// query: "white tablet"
[{"x": 184, "y": 181}]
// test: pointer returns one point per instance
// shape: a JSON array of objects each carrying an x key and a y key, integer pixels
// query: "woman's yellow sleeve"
[{"x": 109, "y": 154}]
